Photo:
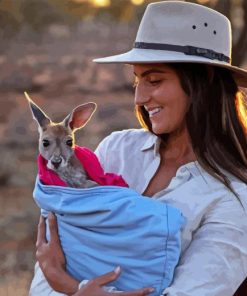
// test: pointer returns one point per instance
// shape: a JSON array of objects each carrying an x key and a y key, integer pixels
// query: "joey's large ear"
[
  {"x": 80, "y": 116},
  {"x": 42, "y": 119}
]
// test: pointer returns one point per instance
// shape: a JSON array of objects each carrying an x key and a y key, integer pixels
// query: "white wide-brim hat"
[{"x": 182, "y": 32}]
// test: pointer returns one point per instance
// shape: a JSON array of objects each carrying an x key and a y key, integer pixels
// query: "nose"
[
  {"x": 56, "y": 161},
  {"x": 142, "y": 95}
]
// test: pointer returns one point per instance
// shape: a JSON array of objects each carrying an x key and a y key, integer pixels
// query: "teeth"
[{"x": 154, "y": 111}]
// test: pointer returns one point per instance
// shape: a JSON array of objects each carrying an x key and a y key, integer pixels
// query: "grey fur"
[{"x": 59, "y": 155}]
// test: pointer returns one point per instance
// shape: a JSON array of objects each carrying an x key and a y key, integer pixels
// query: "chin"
[
  {"x": 159, "y": 130},
  {"x": 167, "y": 127}
]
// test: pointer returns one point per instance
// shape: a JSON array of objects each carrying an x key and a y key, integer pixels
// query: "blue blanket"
[{"x": 106, "y": 226}]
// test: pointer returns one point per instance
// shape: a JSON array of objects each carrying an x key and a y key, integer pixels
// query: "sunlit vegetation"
[
  {"x": 137, "y": 2},
  {"x": 105, "y": 3},
  {"x": 241, "y": 106}
]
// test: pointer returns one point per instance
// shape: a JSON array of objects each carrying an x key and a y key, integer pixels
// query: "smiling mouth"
[{"x": 154, "y": 111}]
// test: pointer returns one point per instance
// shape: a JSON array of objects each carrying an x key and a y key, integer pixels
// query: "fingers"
[
  {"x": 52, "y": 221},
  {"x": 140, "y": 292},
  {"x": 41, "y": 237},
  {"x": 108, "y": 277},
  {"x": 112, "y": 276}
]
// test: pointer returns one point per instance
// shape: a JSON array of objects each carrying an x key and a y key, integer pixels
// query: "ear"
[
  {"x": 79, "y": 116},
  {"x": 42, "y": 119}
]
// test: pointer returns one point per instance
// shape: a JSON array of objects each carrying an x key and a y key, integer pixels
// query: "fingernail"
[
  {"x": 50, "y": 215},
  {"x": 117, "y": 269}
]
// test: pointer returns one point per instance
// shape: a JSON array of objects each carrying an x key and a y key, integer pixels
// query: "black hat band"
[{"x": 188, "y": 50}]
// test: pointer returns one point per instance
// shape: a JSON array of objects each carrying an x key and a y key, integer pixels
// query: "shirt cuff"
[{"x": 110, "y": 289}]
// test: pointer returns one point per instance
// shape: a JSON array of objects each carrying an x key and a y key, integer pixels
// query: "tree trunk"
[{"x": 240, "y": 48}]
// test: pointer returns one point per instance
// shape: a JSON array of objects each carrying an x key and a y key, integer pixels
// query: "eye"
[
  {"x": 155, "y": 82},
  {"x": 69, "y": 143},
  {"x": 46, "y": 143}
]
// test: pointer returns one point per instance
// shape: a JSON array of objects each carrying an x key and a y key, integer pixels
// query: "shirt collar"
[
  {"x": 152, "y": 141},
  {"x": 194, "y": 168}
]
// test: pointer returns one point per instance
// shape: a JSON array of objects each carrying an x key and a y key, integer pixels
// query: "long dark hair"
[{"x": 214, "y": 120}]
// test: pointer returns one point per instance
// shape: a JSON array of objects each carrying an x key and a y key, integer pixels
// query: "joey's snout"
[{"x": 56, "y": 161}]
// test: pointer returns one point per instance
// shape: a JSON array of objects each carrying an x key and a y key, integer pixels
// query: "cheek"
[
  {"x": 67, "y": 151},
  {"x": 45, "y": 152},
  {"x": 180, "y": 104},
  {"x": 175, "y": 113},
  {"x": 179, "y": 111}
]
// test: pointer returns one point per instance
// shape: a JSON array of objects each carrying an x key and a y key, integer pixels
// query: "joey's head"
[{"x": 56, "y": 140}]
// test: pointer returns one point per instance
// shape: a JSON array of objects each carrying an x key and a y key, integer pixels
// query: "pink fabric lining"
[{"x": 91, "y": 165}]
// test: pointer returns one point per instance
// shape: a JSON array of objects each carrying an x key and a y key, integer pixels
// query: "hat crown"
[
  {"x": 182, "y": 32},
  {"x": 185, "y": 24}
]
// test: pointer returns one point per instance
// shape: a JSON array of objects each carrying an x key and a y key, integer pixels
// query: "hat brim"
[{"x": 149, "y": 56}]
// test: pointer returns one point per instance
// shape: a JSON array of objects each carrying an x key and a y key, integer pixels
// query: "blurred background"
[{"x": 46, "y": 48}]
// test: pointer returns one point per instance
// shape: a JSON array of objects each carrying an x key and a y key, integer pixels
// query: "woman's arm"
[
  {"x": 51, "y": 258},
  {"x": 215, "y": 263},
  {"x": 52, "y": 263}
]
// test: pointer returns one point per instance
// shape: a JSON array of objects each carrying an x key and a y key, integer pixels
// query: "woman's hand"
[
  {"x": 51, "y": 258},
  {"x": 52, "y": 263},
  {"x": 95, "y": 286}
]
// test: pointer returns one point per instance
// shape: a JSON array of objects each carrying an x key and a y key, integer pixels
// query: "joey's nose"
[{"x": 56, "y": 162}]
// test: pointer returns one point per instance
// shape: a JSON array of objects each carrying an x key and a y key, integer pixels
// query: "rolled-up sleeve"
[
  {"x": 40, "y": 286},
  {"x": 215, "y": 263}
]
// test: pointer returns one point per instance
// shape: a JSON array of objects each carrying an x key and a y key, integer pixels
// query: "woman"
[{"x": 192, "y": 152}]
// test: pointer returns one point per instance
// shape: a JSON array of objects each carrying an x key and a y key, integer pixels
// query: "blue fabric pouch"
[{"x": 108, "y": 226}]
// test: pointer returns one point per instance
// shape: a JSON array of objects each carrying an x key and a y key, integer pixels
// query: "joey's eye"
[
  {"x": 69, "y": 143},
  {"x": 46, "y": 143}
]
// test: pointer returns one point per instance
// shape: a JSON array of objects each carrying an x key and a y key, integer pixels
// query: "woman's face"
[{"x": 159, "y": 91}]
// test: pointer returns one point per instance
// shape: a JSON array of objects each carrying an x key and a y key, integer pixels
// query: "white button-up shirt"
[{"x": 213, "y": 260}]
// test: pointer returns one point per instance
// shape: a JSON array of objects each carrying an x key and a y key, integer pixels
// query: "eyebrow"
[{"x": 150, "y": 71}]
